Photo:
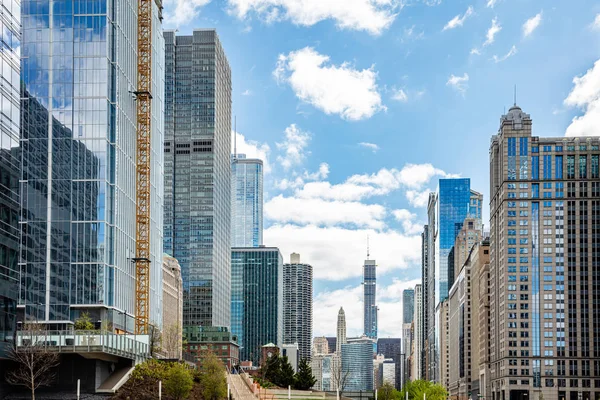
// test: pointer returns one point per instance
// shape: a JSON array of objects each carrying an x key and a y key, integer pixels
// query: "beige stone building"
[
  {"x": 172, "y": 308},
  {"x": 481, "y": 327},
  {"x": 544, "y": 263}
]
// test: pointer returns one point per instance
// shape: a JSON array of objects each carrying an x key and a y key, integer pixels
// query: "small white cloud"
[
  {"x": 370, "y": 146},
  {"x": 586, "y": 95},
  {"x": 510, "y": 53},
  {"x": 322, "y": 173},
  {"x": 293, "y": 146},
  {"x": 459, "y": 20},
  {"x": 412, "y": 34},
  {"x": 531, "y": 24},
  {"x": 492, "y": 32},
  {"x": 247, "y": 92},
  {"x": 418, "y": 198},
  {"x": 458, "y": 83},
  {"x": 372, "y": 16},
  {"x": 407, "y": 219},
  {"x": 400, "y": 95},
  {"x": 491, "y": 3},
  {"x": 334, "y": 89},
  {"x": 596, "y": 24},
  {"x": 475, "y": 51},
  {"x": 252, "y": 149},
  {"x": 182, "y": 12}
]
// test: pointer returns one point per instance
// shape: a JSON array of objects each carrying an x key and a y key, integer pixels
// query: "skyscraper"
[
  {"x": 198, "y": 173},
  {"x": 544, "y": 263},
  {"x": 341, "y": 331},
  {"x": 78, "y": 151},
  {"x": 10, "y": 171},
  {"x": 246, "y": 201},
  {"x": 408, "y": 305},
  {"x": 392, "y": 348},
  {"x": 257, "y": 299},
  {"x": 357, "y": 365},
  {"x": 297, "y": 304},
  {"x": 369, "y": 290},
  {"x": 417, "y": 366},
  {"x": 425, "y": 299}
]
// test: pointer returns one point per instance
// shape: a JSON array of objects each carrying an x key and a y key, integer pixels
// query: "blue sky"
[{"x": 359, "y": 106}]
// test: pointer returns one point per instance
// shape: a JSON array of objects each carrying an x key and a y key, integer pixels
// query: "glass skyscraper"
[
  {"x": 78, "y": 143},
  {"x": 357, "y": 365},
  {"x": 197, "y": 177},
  {"x": 408, "y": 305},
  {"x": 256, "y": 299},
  {"x": 9, "y": 171},
  {"x": 246, "y": 201},
  {"x": 369, "y": 293}
]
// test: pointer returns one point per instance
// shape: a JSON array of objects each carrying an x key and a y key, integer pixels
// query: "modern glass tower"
[
  {"x": 246, "y": 201},
  {"x": 198, "y": 173},
  {"x": 357, "y": 365},
  {"x": 9, "y": 172},
  {"x": 256, "y": 299},
  {"x": 408, "y": 305},
  {"x": 369, "y": 293},
  {"x": 298, "y": 304},
  {"x": 78, "y": 140}
]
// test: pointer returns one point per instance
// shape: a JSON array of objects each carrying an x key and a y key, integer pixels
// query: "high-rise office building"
[
  {"x": 10, "y": 171},
  {"x": 297, "y": 304},
  {"x": 417, "y": 366},
  {"x": 341, "y": 331},
  {"x": 431, "y": 352},
  {"x": 408, "y": 299},
  {"x": 332, "y": 343},
  {"x": 197, "y": 178},
  {"x": 326, "y": 370},
  {"x": 425, "y": 299},
  {"x": 246, "y": 201},
  {"x": 256, "y": 299},
  {"x": 470, "y": 234},
  {"x": 392, "y": 348},
  {"x": 78, "y": 144},
  {"x": 370, "y": 298},
  {"x": 357, "y": 365},
  {"x": 544, "y": 262}
]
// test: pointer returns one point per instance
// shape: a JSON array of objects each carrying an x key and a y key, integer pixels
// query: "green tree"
[
  {"x": 417, "y": 388},
  {"x": 304, "y": 378},
  {"x": 84, "y": 322},
  {"x": 272, "y": 369},
  {"x": 212, "y": 378},
  {"x": 179, "y": 382},
  {"x": 286, "y": 374},
  {"x": 388, "y": 392}
]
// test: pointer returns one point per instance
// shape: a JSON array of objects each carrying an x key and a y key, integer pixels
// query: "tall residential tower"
[
  {"x": 197, "y": 177},
  {"x": 341, "y": 331},
  {"x": 370, "y": 298},
  {"x": 246, "y": 201},
  {"x": 297, "y": 304}
]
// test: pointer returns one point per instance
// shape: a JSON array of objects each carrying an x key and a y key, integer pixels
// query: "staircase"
[{"x": 115, "y": 380}]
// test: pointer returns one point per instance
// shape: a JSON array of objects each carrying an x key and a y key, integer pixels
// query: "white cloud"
[
  {"x": 247, "y": 92},
  {"x": 531, "y": 24},
  {"x": 491, "y": 3},
  {"x": 293, "y": 146},
  {"x": 510, "y": 53},
  {"x": 286, "y": 184},
  {"x": 333, "y": 251},
  {"x": 417, "y": 175},
  {"x": 407, "y": 219},
  {"x": 475, "y": 51},
  {"x": 252, "y": 149},
  {"x": 418, "y": 198},
  {"x": 372, "y": 16},
  {"x": 334, "y": 89},
  {"x": 320, "y": 212},
  {"x": 370, "y": 146},
  {"x": 458, "y": 20},
  {"x": 596, "y": 24},
  {"x": 182, "y": 12},
  {"x": 400, "y": 95},
  {"x": 458, "y": 83},
  {"x": 586, "y": 95},
  {"x": 389, "y": 301},
  {"x": 412, "y": 34},
  {"x": 491, "y": 33}
]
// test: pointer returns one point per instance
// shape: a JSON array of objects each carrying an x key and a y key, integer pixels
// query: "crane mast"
[{"x": 143, "y": 100}]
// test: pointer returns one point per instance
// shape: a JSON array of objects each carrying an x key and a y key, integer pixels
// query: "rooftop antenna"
[
  {"x": 368, "y": 253},
  {"x": 515, "y": 95}
]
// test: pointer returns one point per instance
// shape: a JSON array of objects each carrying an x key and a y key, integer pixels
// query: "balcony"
[{"x": 90, "y": 344}]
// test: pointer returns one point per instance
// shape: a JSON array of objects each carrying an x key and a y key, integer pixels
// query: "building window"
[
  {"x": 558, "y": 166},
  {"x": 582, "y": 167},
  {"x": 570, "y": 167}
]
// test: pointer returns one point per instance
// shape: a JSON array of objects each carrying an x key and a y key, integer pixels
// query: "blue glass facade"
[
  {"x": 197, "y": 178},
  {"x": 369, "y": 293},
  {"x": 78, "y": 155},
  {"x": 357, "y": 365},
  {"x": 246, "y": 201},
  {"x": 9, "y": 171},
  {"x": 455, "y": 201},
  {"x": 256, "y": 299}
]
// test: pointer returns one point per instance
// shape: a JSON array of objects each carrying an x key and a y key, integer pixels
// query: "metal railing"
[{"x": 135, "y": 347}]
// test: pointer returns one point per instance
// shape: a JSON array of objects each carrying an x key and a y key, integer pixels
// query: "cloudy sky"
[{"x": 358, "y": 107}]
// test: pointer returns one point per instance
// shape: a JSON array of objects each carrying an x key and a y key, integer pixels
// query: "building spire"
[
  {"x": 368, "y": 252},
  {"x": 515, "y": 95},
  {"x": 235, "y": 137}
]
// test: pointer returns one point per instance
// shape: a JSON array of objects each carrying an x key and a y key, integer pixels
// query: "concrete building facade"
[
  {"x": 341, "y": 331},
  {"x": 417, "y": 343},
  {"x": 298, "y": 304},
  {"x": 544, "y": 258},
  {"x": 172, "y": 323},
  {"x": 320, "y": 345}
]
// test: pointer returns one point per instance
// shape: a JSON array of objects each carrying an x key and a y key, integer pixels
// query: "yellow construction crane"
[{"x": 142, "y": 217}]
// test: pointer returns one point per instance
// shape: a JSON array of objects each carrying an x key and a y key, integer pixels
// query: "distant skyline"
[{"x": 358, "y": 114}]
